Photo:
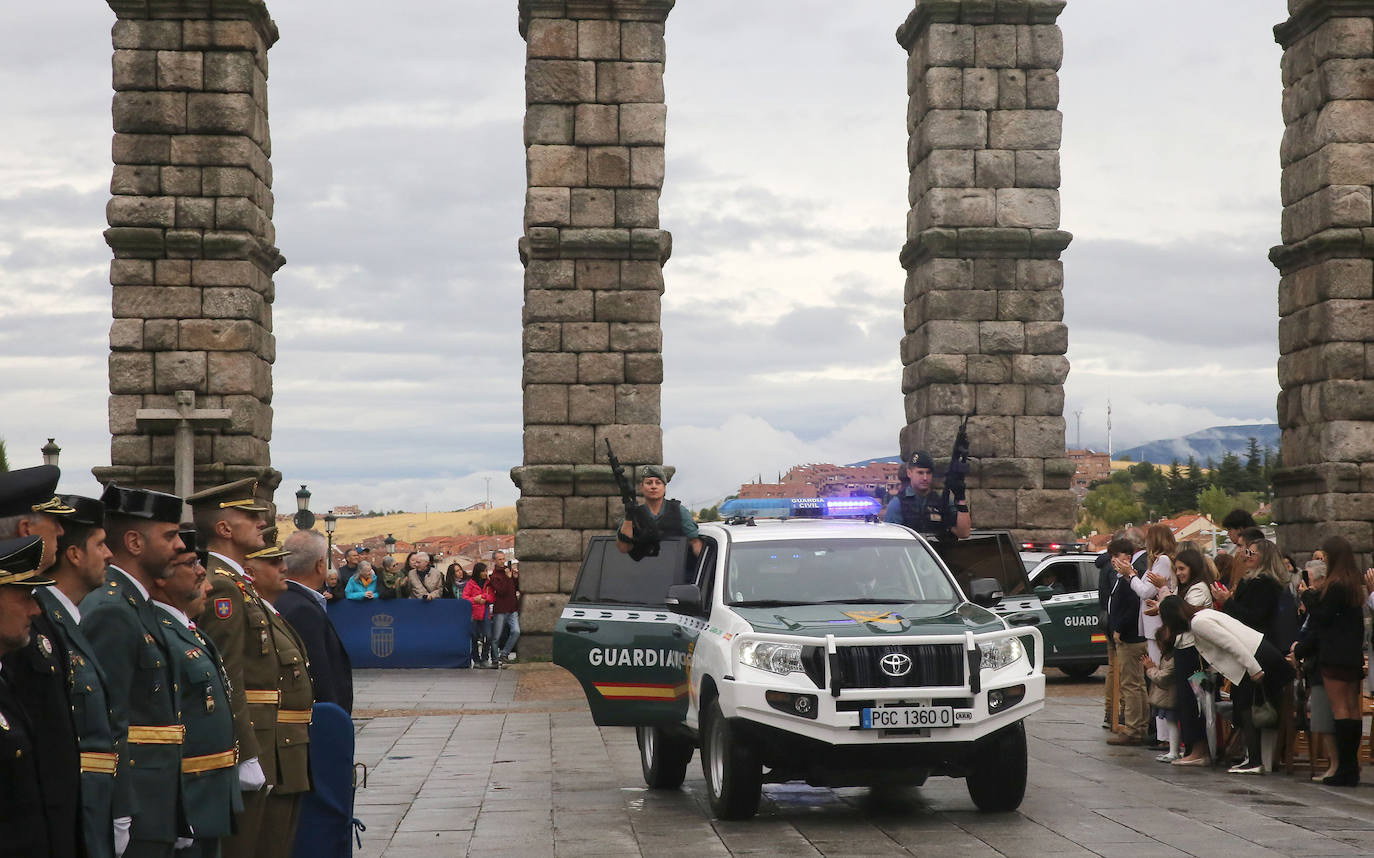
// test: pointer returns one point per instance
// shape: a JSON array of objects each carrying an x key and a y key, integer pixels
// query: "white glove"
[
  {"x": 121, "y": 833},
  {"x": 184, "y": 843},
  {"x": 251, "y": 778}
]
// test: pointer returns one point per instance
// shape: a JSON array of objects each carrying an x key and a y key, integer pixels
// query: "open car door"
[{"x": 620, "y": 640}]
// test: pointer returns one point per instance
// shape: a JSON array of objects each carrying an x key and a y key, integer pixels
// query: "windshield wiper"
[{"x": 768, "y": 603}]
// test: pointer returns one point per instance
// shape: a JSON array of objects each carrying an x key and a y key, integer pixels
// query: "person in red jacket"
[{"x": 476, "y": 591}]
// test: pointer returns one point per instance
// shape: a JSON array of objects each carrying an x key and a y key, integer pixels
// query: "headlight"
[
  {"x": 780, "y": 658},
  {"x": 1001, "y": 653}
]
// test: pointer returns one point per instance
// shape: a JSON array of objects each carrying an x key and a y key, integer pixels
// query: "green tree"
[
  {"x": 709, "y": 513},
  {"x": 4, "y": 459},
  {"x": 1113, "y": 504},
  {"x": 1254, "y": 467},
  {"x": 1230, "y": 474},
  {"x": 1214, "y": 502},
  {"x": 1122, "y": 478},
  {"x": 1178, "y": 488},
  {"x": 1156, "y": 494},
  {"x": 1141, "y": 471},
  {"x": 1196, "y": 483}
]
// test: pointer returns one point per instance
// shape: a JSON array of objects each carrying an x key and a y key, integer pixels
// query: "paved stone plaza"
[{"x": 508, "y": 763}]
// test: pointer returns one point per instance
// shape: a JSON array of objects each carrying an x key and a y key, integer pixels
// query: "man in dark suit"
[
  {"x": 80, "y": 568},
  {"x": 121, "y": 622},
  {"x": 304, "y": 608},
  {"x": 38, "y": 672},
  {"x": 1127, "y": 640},
  {"x": 23, "y": 832}
]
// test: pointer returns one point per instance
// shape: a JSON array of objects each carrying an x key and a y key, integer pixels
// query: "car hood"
[{"x": 864, "y": 620}]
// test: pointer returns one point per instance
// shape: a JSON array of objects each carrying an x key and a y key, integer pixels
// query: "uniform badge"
[
  {"x": 224, "y": 608},
  {"x": 45, "y": 644},
  {"x": 148, "y": 639},
  {"x": 192, "y": 654}
]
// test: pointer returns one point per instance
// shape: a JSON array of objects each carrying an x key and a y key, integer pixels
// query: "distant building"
[
  {"x": 347, "y": 510},
  {"x": 1089, "y": 467},
  {"x": 823, "y": 480}
]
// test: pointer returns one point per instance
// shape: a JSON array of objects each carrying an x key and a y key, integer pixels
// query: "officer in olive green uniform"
[
  {"x": 23, "y": 832},
  {"x": 229, "y": 525},
  {"x": 80, "y": 568},
  {"x": 126, "y": 631},
  {"x": 209, "y": 761},
  {"x": 292, "y": 677}
]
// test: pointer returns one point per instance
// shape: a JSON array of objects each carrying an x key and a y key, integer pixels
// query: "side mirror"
[
  {"x": 685, "y": 598},
  {"x": 984, "y": 591},
  {"x": 1043, "y": 592}
]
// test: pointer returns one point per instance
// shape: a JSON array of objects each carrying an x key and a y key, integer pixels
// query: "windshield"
[{"x": 808, "y": 572}]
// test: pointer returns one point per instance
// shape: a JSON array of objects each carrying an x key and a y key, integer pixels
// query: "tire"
[
  {"x": 997, "y": 776},
  {"x": 1079, "y": 671},
  {"x": 734, "y": 775},
  {"x": 663, "y": 758}
]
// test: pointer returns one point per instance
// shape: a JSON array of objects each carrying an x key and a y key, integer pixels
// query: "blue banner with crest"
[{"x": 405, "y": 632}]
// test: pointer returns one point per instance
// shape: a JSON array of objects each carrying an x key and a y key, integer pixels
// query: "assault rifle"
[
  {"x": 645, "y": 541},
  {"x": 955, "y": 486}
]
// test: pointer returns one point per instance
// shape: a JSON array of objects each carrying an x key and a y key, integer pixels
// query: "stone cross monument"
[
  {"x": 191, "y": 230},
  {"x": 593, "y": 254},
  {"x": 183, "y": 419},
  {"x": 984, "y": 307},
  {"x": 1326, "y": 262}
]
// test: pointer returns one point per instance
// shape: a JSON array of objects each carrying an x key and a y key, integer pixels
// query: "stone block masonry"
[
  {"x": 190, "y": 227},
  {"x": 1326, "y": 266},
  {"x": 984, "y": 306},
  {"x": 593, "y": 252}
]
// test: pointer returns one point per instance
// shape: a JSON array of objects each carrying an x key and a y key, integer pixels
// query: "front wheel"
[
  {"x": 997, "y": 777},
  {"x": 663, "y": 758},
  {"x": 734, "y": 775},
  {"x": 1078, "y": 671}
]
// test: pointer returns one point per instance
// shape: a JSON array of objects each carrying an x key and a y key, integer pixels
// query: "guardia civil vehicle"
[{"x": 835, "y": 652}]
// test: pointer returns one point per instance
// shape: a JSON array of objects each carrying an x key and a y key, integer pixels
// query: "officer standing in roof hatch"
[
  {"x": 671, "y": 516},
  {"x": 923, "y": 511}
]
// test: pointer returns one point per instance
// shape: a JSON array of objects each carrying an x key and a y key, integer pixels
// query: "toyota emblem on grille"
[{"x": 895, "y": 664}]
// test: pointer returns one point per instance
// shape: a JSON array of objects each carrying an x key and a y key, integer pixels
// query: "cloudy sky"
[{"x": 399, "y": 182}]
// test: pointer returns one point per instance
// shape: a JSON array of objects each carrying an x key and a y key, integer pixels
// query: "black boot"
[{"x": 1347, "y": 734}]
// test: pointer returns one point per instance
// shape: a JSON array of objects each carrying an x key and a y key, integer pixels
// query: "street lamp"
[
  {"x": 330, "y": 522},
  {"x": 390, "y": 544},
  {"x": 305, "y": 519},
  {"x": 50, "y": 452}
]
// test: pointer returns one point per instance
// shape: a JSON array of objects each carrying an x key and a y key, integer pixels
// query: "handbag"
[{"x": 1263, "y": 713}]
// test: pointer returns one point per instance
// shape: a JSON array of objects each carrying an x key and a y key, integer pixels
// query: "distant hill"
[
  {"x": 1213, "y": 443},
  {"x": 1207, "y": 444}
]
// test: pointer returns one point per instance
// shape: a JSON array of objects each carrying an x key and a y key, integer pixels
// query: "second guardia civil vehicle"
[{"x": 835, "y": 652}]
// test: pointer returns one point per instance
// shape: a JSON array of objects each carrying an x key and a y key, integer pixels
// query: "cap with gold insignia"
[
  {"x": 141, "y": 503},
  {"x": 31, "y": 490},
  {"x": 89, "y": 511},
  {"x": 240, "y": 494},
  {"x": 19, "y": 562},
  {"x": 268, "y": 553}
]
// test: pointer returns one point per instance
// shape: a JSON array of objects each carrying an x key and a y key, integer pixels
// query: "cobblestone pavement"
[{"x": 509, "y": 763}]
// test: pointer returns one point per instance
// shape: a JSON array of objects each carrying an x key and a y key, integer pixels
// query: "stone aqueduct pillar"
[
  {"x": 1326, "y": 290},
  {"x": 593, "y": 255},
  {"x": 984, "y": 305},
  {"x": 191, "y": 229}
]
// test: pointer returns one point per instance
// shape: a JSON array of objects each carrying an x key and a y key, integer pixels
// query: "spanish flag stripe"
[
  {"x": 640, "y": 690},
  {"x": 1099, "y": 638}
]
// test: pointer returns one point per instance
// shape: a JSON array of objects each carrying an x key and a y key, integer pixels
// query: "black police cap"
[
  {"x": 188, "y": 538},
  {"x": 31, "y": 490},
  {"x": 20, "y": 560},
  {"x": 142, "y": 503},
  {"x": 89, "y": 511}
]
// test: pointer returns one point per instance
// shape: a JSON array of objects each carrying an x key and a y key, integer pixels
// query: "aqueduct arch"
[{"x": 192, "y": 236}]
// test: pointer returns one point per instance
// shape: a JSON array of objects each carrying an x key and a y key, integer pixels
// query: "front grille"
[{"x": 931, "y": 665}]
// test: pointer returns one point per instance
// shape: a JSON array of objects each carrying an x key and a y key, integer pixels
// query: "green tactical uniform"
[
  {"x": 292, "y": 764},
  {"x": 209, "y": 762},
  {"x": 101, "y": 741},
  {"x": 124, "y": 628}
]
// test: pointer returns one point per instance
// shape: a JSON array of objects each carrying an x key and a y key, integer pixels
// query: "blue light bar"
[{"x": 801, "y": 507}]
